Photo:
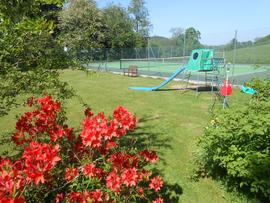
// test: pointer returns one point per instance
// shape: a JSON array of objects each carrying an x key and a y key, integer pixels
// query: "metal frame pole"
[
  {"x": 184, "y": 47},
  {"x": 234, "y": 51},
  {"x": 148, "y": 53}
]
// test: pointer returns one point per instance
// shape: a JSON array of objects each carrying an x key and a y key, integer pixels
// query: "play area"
[
  {"x": 200, "y": 61},
  {"x": 202, "y": 67}
]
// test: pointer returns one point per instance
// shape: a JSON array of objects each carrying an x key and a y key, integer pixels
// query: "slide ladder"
[{"x": 177, "y": 72}]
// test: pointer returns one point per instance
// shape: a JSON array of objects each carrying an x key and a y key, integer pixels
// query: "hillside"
[
  {"x": 251, "y": 55},
  {"x": 160, "y": 41},
  {"x": 257, "y": 52}
]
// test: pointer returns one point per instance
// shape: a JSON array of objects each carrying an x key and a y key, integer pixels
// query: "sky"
[{"x": 217, "y": 20}]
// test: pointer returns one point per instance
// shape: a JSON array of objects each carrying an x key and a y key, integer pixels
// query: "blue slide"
[{"x": 180, "y": 70}]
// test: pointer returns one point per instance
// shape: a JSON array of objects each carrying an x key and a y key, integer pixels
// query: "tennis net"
[{"x": 154, "y": 62}]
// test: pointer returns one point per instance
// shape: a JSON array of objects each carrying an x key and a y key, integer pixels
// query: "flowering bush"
[{"x": 57, "y": 165}]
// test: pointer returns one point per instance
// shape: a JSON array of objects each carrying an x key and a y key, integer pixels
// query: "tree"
[
  {"x": 262, "y": 40},
  {"x": 178, "y": 36},
  {"x": 120, "y": 33},
  {"x": 186, "y": 40},
  {"x": 231, "y": 44},
  {"x": 178, "y": 39},
  {"x": 29, "y": 53},
  {"x": 177, "y": 32},
  {"x": 192, "y": 38},
  {"x": 120, "y": 27},
  {"x": 82, "y": 26},
  {"x": 140, "y": 15}
]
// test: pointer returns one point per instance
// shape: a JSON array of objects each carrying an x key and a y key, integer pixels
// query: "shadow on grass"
[
  {"x": 198, "y": 89},
  {"x": 146, "y": 137},
  {"x": 7, "y": 147},
  {"x": 232, "y": 184},
  {"x": 171, "y": 192},
  {"x": 172, "y": 89}
]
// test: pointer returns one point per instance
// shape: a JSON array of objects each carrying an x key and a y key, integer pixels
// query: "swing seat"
[{"x": 247, "y": 90}]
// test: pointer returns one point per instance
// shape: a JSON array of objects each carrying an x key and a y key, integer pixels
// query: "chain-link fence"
[{"x": 246, "y": 58}]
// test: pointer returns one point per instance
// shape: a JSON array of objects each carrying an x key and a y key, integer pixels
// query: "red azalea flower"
[
  {"x": 19, "y": 138},
  {"x": 93, "y": 196},
  {"x": 113, "y": 130},
  {"x": 48, "y": 105},
  {"x": 144, "y": 174},
  {"x": 150, "y": 156},
  {"x": 110, "y": 145},
  {"x": 93, "y": 130},
  {"x": 130, "y": 177},
  {"x": 140, "y": 191},
  {"x": 11, "y": 180},
  {"x": 91, "y": 171},
  {"x": 12, "y": 200},
  {"x": 30, "y": 101},
  {"x": 113, "y": 181},
  {"x": 156, "y": 183},
  {"x": 121, "y": 160},
  {"x": 59, "y": 198},
  {"x": 41, "y": 120},
  {"x": 71, "y": 173},
  {"x": 158, "y": 200},
  {"x": 88, "y": 112},
  {"x": 76, "y": 197},
  {"x": 125, "y": 118},
  {"x": 58, "y": 131},
  {"x": 39, "y": 158}
]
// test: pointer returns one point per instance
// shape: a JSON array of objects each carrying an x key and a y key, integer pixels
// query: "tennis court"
[{"x": 169, "y": 65}]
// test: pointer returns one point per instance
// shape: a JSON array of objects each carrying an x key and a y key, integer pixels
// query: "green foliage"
[
  {"x": 29, "y": 44},
  {"x": 140, "y": 15},
  {"x": 29, "y": 52},
  {"x": 91, "y": 33},
  {"x": 262, "y": 86},
  {"x": 82, "y": 27},
  {"x": 236, "y": 145},
  {"x": 182, "y": 42},
  {"x": 233, "y": 42},
  {"x": 192, "y": 37},
  {"x": 262, "y": 40},
  {"x": 15, "y": 83},
  {"x": 120, "y": 33},
  {"x": 17, "y": 10},
  {"x": 186, "y": 40}
]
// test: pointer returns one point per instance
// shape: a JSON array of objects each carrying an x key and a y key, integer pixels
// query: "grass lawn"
[
  {"x": 171, "y": 120},
  {"x": 251, "y": 55}
]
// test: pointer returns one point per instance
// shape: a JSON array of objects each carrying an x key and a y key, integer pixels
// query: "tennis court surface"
[{"x": 164, "y": 67}]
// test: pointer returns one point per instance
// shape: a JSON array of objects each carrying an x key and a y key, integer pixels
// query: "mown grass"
[{"x": 170, "y": 120}]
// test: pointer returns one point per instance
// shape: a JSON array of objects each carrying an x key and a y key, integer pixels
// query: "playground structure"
[{"x": 202, "y": 61}]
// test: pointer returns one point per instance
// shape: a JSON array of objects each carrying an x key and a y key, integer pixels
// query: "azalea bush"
[{"x": 57, "y": 163}]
